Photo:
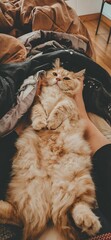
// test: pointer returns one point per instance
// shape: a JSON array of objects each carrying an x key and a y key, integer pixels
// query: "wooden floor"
[{"x": 102, "y": 49}]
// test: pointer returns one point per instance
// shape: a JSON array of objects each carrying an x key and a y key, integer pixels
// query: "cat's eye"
[
  {"x": 66, "y": 78},
  {"x": 54, "y": 73}
]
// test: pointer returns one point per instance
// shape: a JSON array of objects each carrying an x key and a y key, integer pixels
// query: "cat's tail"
[{"x": 8, "y": 214}]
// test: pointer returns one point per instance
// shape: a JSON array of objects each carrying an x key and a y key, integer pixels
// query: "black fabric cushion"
[
  {"x": 10, "y": 232},
  {"x": 7, "y": 151}
]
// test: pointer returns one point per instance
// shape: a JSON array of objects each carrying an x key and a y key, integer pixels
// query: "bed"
[{"x": 33, "y": 34}]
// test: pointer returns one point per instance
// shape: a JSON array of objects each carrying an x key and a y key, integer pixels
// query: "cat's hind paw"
[
  {"x": 39, "y": 124},
  {"x": 87, "y": 221}
]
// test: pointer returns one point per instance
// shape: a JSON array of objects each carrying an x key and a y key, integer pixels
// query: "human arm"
[
  {"x": 95, "y": 138},
  {"x": 101, "y": 158}
]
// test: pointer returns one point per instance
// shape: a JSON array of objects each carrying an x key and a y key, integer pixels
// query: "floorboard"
[{"x": 102, "y": 49}]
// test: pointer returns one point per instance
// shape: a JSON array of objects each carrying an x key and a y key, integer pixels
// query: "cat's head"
[{"x": 68, "y": 82}]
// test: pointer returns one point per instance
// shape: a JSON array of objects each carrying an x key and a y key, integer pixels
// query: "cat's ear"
[
  {"x": 80, "y": 74},
  {"x": 56, "y": 64}
]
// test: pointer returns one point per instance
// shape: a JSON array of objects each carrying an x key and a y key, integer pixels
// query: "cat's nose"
[{"x": 58, "y": 79}]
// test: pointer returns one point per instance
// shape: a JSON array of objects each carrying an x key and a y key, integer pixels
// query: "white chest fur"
[{"x": 49, "y": 97}]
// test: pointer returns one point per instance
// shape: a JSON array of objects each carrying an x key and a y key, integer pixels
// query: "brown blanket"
[
  {"x": 20, "y": 16},
  {"x": 12, "y": 50}
]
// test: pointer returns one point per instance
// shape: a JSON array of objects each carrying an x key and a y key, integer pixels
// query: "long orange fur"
[{"x": 51, "y": 170}]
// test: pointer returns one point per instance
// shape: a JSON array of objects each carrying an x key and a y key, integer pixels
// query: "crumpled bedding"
[
  {"x": 25, "y": 98},
  {"x": 39, "y": 41},
  {"x": 12, "y": 50},
  {"x": 18, "y": 17}
]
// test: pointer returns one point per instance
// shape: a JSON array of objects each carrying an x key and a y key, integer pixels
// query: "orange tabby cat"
[{"x": 51, "y": 170}]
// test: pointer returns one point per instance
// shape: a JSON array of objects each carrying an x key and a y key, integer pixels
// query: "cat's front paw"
[
  {"x": 88, "y": 222},
  {"x": 38, "y": 124},
  {"x": 53, "y": 123}
]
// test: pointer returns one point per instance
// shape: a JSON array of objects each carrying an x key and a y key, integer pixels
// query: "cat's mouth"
[
  {"x": 62, "y": 88},
  {"x": 51, "y": 82},
  {"x": 57, "y": 83}
]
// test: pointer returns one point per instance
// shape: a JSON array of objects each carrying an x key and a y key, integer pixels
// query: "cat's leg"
[
  {"x": 84, "y": 201},
  {"x": 29, "y": 188},
  {"x": 63, "y": 110},
  {"x": 38, "y": 117},
  {"x": 61, "y": 203},
  {"x": 73, "y": 190},
  {"x": 35, "y": 209},
  {"x": 8, "y": 214}
]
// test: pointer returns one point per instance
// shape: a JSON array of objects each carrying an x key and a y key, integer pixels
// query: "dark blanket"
[{"x": 97, "y": 89}]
